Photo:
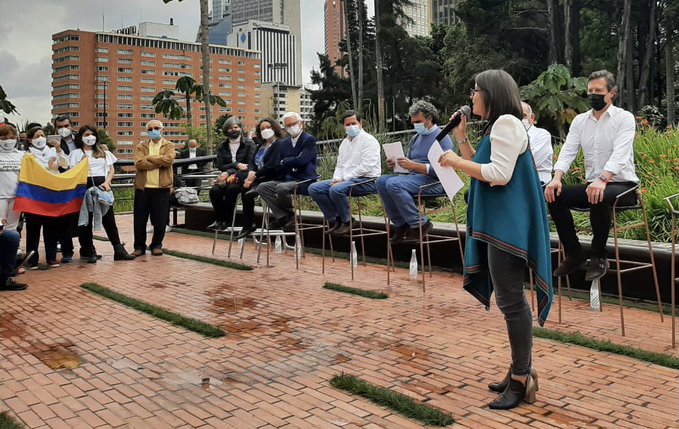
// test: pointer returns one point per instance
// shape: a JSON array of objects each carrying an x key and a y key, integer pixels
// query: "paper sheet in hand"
[
  {"x": 450, "y": 181},
  {"x": 394, "y": 151}
]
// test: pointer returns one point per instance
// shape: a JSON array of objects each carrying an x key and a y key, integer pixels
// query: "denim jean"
[
  {"x": 398, "y": 194},
  {"x": 507, "y": 273},
  {"x": 334, "y": 200}
]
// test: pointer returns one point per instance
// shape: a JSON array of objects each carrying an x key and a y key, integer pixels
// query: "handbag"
[{"x": 186, "y": 195}]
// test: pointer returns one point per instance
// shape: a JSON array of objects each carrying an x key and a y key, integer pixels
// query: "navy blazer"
[{"x": 298, "y": 163}]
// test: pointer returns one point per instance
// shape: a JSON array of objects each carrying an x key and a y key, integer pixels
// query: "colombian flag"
[{"x": 43, "y": 193}]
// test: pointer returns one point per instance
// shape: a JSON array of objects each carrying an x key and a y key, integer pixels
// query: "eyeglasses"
[
  {"x": 153, "y": 128},
  {"x": 474, "y": 91}
]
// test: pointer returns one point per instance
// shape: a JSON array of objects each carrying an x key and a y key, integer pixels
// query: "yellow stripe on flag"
[{"x": 35, "y": 174}]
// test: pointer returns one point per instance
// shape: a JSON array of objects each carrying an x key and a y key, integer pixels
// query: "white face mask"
[
  {"x": 353, "y": 130},
  {"x": 8, "y": 144},
  {"x": 90, "y": 140},
  {"x": 39, "y": 142},
  {"x": 526, "y": 123},
  {"x": 64, "y": 132},
  {"x": 267, "y": 133},
  {"x": 294, "y": 131}
]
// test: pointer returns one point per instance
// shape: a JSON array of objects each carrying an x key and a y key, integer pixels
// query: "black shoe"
[
  {"x": 216, "y": 225},
  {"x": 342, "y": 229},
  {"x": 67, "y": 259},
  {"x": 120, "y": 254},
  {"x": 500, "y": 387},
  {"x": 288, "y": 223},
  {"x": 11, "y": 285},
  {"x": 570, "y": 264},
  {"x": 399, "y": 235},
  {"x": 596, "y": 268},
  {"x": 413, "y": 233},
  {"x": 514, "y": 393},
  {"x": 246, "y": 231},
  {"x": 91, "y": 259}
]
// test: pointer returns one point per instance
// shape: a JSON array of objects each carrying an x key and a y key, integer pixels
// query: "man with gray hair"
[
  {"x": 398, "y": 191},
  {"x": 153, "y": 181},
  {"x": 297, "y": 163}
]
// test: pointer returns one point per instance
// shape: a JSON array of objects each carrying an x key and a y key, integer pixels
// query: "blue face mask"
[
  {"x": 420, "y": 128},
  {"x": 154, "y": 134},
  {"x": 353, "y": 130}
]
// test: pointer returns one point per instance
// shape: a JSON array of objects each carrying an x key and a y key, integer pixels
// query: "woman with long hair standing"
[
  {"x": 101, "y": 174},
  {"x": 499, "y": 247}
]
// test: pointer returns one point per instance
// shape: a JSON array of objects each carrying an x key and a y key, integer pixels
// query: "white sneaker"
[{"x": 168, "y": 228}]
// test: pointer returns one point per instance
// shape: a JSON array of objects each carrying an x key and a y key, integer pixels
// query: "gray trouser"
[
  {"x": 507, "y": 272},
  {"x": 278, "y": 196}
]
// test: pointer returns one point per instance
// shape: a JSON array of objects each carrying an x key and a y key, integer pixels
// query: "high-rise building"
[
  {"x": 277, "y": 45},
  {"x": 285, "y": 12},
  {"x": 109, "y": 79},
  {"x": 335, "y": 28},
  {"x": 420, "y": 21},
  {"x": 220, "y": 8},
  {"x": 220, "y": 22},
  {"x": 443, "y": 12}
]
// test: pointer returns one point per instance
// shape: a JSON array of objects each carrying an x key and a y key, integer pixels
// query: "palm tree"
[
  {"x": 166, "y": 103},
  {"x": 205, "y": 53},
  {"x": 6, "y": 105}
]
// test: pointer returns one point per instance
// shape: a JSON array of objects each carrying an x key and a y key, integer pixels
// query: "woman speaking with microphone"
[{"x": 507, "y": 226}]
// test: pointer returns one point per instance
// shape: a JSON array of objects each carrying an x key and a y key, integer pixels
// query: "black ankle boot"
[
  {"x": 120, "y": 254},
  {"x": 514, "y": 394},
  {"x": 500, "y": 386}
]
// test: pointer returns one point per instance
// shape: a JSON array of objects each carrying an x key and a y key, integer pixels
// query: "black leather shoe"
[
  {"x": 413, "y": 234},
  {"x": 500, "y": 386},
  {"x": 11, "y": 285},
  {"x": 399, "y": 235},
  {"x": 289, "y": 226},
  {"x": 570, "y": 264},
  {"x": 514, "y": 393},
  {"x": 342, "y": 229},
  {"x": 596, "y": 268},
  {"x": 246, "y": 231}
]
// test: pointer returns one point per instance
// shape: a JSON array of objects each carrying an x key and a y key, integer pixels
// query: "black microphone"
[{"x": 454, "y": 122}]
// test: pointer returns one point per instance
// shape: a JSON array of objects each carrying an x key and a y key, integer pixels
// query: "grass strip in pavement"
[
  {"x": 208, "y": 260},
  {"x": 177, "y": 319},
  {"x": 355, "y": 291},
  {"x": 9, "y": 422},
  {"x": 395, "y": 401},
  {"x": 578, "y": 339}
]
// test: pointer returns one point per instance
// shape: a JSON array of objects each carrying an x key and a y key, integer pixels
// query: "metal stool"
[
  {"x": 356, "y": 232},
  {"x": 430, "y": 238},
  {"x": 231, "y": 230},
  {"x": 300, "y": 225},
  {"x": 617, "y": 209},
  {"x": 674, "y": 212},
  {"x": 266, "y": 211},
  {"x": 560, "y": 256}
]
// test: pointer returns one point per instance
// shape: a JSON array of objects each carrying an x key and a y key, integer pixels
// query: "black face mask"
[
  {"x": 596, "y": 101},
  {"x": 233, "y": 134}
]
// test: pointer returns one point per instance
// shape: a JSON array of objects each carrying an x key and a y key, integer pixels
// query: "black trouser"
[
  {"x": 224, "y": 199},
  {"x": 49, "y": 226},
  {"x": 599, "y": 215},
  {"x": 67, "y": 229},
  {"x": 156, "y": 204},
  {"x": 108, "y": 221}
]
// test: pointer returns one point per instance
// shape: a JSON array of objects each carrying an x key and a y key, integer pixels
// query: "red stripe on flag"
[{"x": 47, "y": 209}]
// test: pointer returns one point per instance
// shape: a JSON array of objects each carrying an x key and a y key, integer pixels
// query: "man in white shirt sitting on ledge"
[
  {"x": 540, "y": 141},
  {"x": 358, "y": 160},
  {"x": 606, "y": 135}
]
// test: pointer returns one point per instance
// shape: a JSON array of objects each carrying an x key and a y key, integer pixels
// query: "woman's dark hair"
[
  {"x": 500, "y": 95},
  {"x": 98, "y": 149},
  {"x": 277, "y": 130},
  {"x": 29, "y": 135}
]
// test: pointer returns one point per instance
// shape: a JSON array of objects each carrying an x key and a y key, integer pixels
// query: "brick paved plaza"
[{"x": 287, "y": 337}]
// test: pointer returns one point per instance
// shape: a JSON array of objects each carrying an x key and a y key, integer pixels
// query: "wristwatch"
[{"x": 603, "y": 178}]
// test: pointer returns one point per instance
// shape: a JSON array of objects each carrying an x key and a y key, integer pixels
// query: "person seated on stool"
[
  {"x": 398, "y": 192},
  {"x": 540, "y": 144},
  {"x": 297, "y": 163},
  {"x": 193, "y": 151},
  {"x": 235, "y": 158},
  {"x": 267, "y": 162},
  {"x": 358, "y": 160},
  {"x": 606, "y": 135}
]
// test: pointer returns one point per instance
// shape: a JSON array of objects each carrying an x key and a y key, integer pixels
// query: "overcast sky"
[{"x": 27, "y": 26}]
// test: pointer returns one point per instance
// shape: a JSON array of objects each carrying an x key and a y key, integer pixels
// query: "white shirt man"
[
  {"x": 540, "y": 144},
  {"x": 606, "y": 136},
  {"x": 358, "y": 162}
]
